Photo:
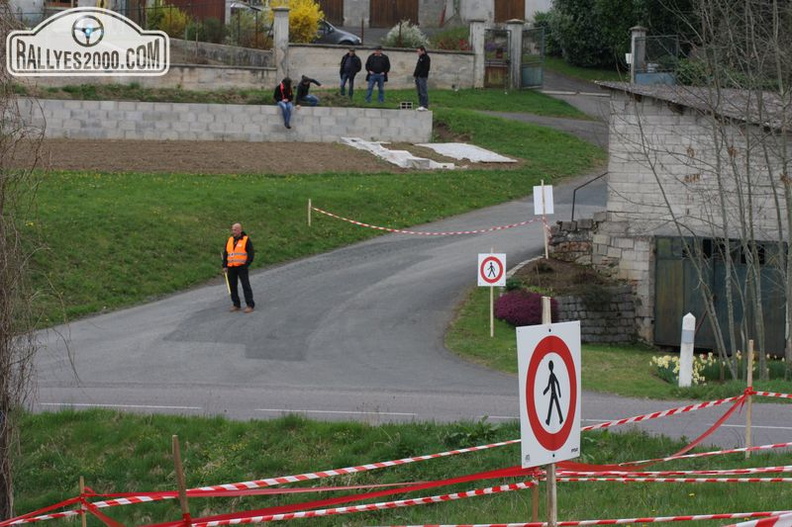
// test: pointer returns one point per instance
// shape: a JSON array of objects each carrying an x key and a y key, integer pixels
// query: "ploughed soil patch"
[
  {"x": 215, "y": 157},
  {"x": 559, "y": 278}
]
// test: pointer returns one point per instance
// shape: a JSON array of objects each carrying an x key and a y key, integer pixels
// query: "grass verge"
[
  {"x": 620, "y": 370},
  {"x": 131, "y": 453}
]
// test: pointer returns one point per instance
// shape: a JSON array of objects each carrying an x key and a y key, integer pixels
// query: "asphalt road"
[{"x": 356, "y": 334}]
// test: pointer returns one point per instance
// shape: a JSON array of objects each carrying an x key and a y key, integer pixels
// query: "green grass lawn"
[{"x": 128, "y": 453}]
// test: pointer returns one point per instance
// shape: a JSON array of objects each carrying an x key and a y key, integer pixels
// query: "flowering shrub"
[
  {"x": 304, "y": 17},
  {"x": 522, "y": 308},
  {"x": 668, "y": 367},
  {"x": 707, "y": 367},
  {"x": 453, "y": 39},
  {"x": 405, "y": 35}
]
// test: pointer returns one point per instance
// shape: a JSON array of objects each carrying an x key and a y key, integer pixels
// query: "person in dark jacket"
[
  {"x": 350, "y": 66},
  {"x": 377, "y": 68},
  {"x": 303, "y": 97},
  {"x": 237, "y": 257},
  {"x": 421, "y": 75},
  {"x": 284, "y": 97}
]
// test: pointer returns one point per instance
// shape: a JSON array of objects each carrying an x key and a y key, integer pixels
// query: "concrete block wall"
[{"x": 220, "y": 122}]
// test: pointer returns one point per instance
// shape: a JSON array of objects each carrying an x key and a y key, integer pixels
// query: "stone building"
[{"x": 693, "y": 172}]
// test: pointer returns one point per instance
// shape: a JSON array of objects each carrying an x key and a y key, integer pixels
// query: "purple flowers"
[{"x": 522, "y": 308}]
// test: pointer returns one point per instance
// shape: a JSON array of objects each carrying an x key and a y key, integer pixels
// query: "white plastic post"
[{"x": 686, "y": 350}]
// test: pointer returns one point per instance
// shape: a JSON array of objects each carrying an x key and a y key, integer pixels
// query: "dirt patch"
[
  {"x": 556, "y": 277},
  {"x": 216, "y": 157}
]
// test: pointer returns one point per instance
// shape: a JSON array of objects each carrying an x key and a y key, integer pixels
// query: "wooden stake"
[
  {"x": 309, "y": 212},
  {"x": 82, "y": 505},
  {"x": 749, "y": 408},
  {"x": 535, "y": 507},
  {"x": 180, "y": 481}
]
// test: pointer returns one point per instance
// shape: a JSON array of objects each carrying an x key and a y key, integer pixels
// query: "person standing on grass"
[
  {"x": 377, "y": 68},
  {"x": 284, "y": 97},
  {"x": 303, "y": 97},
  {"x": 350, "y": 66},
  {"x": 421, "y": 75},
  {"x": 237, "y": 257}
]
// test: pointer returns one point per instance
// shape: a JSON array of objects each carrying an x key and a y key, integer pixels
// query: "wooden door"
[
  {"x": 333, "y": 11},
  {"x": 509, "y": 10},
  {"x": 388, "y": 13}
]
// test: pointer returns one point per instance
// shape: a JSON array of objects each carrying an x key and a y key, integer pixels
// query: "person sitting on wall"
[{"x": 303, "y": 97}]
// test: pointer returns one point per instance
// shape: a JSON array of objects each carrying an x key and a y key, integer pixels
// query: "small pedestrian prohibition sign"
[
  {"x": 492, "y": 270},
  {"x": 549, "y": 368}
]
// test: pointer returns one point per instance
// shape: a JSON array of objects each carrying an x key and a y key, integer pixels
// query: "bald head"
[{"x": 236, "y": 230}]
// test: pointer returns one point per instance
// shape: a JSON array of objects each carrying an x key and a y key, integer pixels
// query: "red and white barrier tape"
[
  {"x": 782, "y": 520},
  {"x": 622, "y": 521},
  {"x": 678, "y": 480},
  {"x": 706, "y": 454},
  {"x": 773, "y": 394},
  {"x": 368, "y": 507},
  {"x": 419, "y": 233},
  {"x": 43, "y": 517},
  {"x": 667, "y": 473},
  {"x": 664, "y": 413},
  {"x": 269, "y": 482}
]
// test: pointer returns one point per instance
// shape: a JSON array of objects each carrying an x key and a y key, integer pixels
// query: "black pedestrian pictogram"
[
  {"x": 554, "y": 387},
  {"x": 491, "y": 271}
]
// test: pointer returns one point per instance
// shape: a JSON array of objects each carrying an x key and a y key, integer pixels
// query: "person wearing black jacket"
[
  {"x": 421, "y": 75},
  {"x": 350, "y": 66},
  {"x": 377, "y": 68},
  {"x": 303, "y": 97},
  {"x": 237, "y": 257},
  {"x": 284, "y": 97}
]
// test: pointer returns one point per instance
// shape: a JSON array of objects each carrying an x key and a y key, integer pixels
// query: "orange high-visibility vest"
[{"x": 237, "y": 255}]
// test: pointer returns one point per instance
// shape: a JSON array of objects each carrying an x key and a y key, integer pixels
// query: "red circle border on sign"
[
  {"x": 481, "y": 269},
  {"x": 550, "y": 344}
]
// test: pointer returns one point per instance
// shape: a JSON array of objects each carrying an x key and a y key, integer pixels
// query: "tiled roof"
[{"x": 762, "y": 108}]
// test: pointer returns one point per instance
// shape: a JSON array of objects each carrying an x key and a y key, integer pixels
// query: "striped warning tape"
[
  {"x": 706, "y": 454},
  {"x": 621, "y": 521},
  {"x": 627, "y": 473},
  {"x": 368, "y": 507},
  {"x": 664, "y": 413},
  {"x": 782, "y": 520},
  {"x": 269, "y": 482},
  {"x": 677, "y": 480},
  {"x": 420, "y": 233}
]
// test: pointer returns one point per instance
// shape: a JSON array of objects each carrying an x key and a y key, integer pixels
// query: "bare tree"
[
  {"x": 724, "y": 186},
  {"x": 16, "y": 337}
]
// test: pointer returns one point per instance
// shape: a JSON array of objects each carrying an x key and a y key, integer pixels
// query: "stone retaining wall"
[
  {"x": 606, "y": 316},
  {"x": 220, "y": 122}
]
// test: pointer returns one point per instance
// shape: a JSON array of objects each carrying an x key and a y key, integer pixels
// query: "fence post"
[
  {"x": 686, "y": 350},
  {"x": 638, "y": 51},
  {"x": 477, "y": 44},
  {"x": 515, "y": 52},
  {"x": 280, "y": 41}
]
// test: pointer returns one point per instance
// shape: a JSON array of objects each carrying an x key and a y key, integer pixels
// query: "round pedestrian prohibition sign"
[
  {"x": 491, "y": 270},
  {"x": 551, "y": 441}
]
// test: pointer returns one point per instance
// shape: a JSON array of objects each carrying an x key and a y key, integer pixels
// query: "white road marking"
[
  {"x": 102, "y": 405},
  {"x": 351, "y": 412}
]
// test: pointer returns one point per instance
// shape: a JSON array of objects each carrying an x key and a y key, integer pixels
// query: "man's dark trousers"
[{"x": 240, "y": 273}]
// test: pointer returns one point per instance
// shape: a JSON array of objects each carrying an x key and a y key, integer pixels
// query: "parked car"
[{"x": 329, "y": 34}]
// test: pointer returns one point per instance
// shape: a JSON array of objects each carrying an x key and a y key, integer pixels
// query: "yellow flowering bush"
[{"x": 304, "y": 17}]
